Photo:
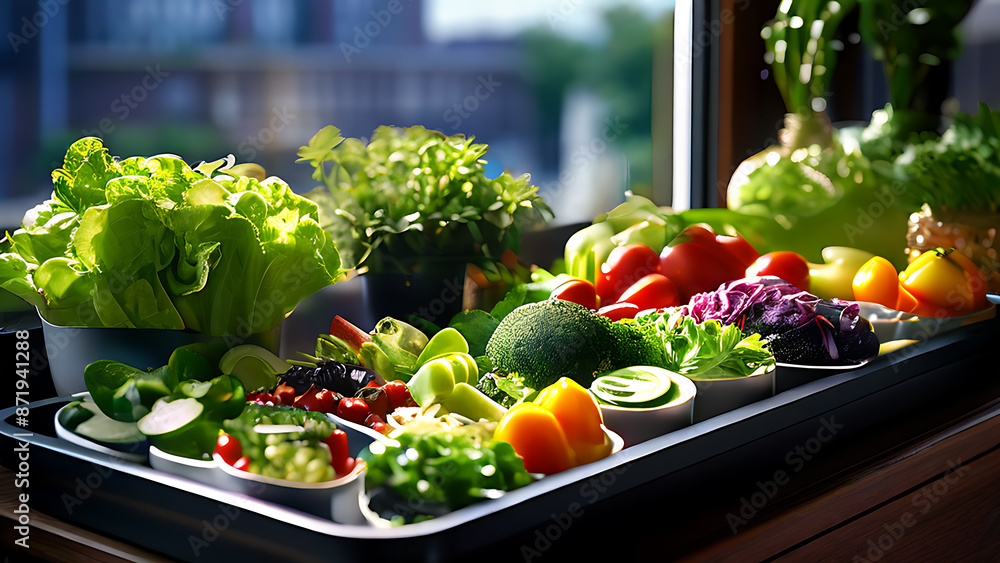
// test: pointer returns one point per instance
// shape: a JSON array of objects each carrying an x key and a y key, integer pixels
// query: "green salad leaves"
[
  {"x": 708, "y": 350},
  {"x": 412, "y": 196},
  {"x": 154, "y": 243}
]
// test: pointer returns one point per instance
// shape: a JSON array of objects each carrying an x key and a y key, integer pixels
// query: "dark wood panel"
[
  {"x": 843, "y": 500},
  {"x": 954, "y": 518}
]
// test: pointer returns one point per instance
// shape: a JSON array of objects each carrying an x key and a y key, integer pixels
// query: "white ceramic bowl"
[
  {"x": 204, "y": 471},
  {"x": 336, "y": 500},
  {"x": 132, "y": 451},
  {"x": 636, "y": 425},
  {"x": 890, "y": 324},
  {"x": 717, "y": 396}
]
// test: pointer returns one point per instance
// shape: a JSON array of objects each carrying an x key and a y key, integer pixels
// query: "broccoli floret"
[
  {"x": 634, "y": 347},
  {"x": 550, "y": 339}
]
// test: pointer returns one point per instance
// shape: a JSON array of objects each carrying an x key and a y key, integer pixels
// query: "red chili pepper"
[{"x": 339, "y": 453}]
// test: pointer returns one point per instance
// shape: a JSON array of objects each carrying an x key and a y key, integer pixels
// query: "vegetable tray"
[{"x": 189, "y": 520}]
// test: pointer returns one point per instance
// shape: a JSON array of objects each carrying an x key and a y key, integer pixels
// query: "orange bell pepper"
[{"x": 563, "y": 428}]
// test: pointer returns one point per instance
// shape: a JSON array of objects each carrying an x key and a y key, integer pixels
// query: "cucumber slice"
[
  {"x": 102, "y": 428},
  {"x": 635, "y": 387},
  {"x": 179, "y": 428},
  {"x": 75, "y": 413}
]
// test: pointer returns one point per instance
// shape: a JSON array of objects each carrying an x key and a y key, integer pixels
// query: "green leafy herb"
[
  {"x": 709, "y": 350},
  {"x": 413, "y": 196}
]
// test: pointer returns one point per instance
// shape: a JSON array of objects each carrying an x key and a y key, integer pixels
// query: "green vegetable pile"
[
  {"x": 708, "y": 350},
  {"x": 154, "y": 243},
  {"x": 438, "y": 471},
  {"x": 295, "y": 455},
  {"x": 541, "y": 342},
  {"x": 412, "y": 195}
]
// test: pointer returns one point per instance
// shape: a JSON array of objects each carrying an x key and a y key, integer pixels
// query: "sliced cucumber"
[
  {"x": 636, "y": 387},
  {"x": 178, "y": 427},
  {"x": 101, "y": 428}
]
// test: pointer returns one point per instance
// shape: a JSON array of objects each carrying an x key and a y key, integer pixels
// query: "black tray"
[{"x": 189, "y": 521}]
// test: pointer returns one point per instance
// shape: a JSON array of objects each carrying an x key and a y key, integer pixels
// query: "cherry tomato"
[
  {"x": 285, "y": 394},
  {"x": 787, "y": 265},
  {"x": 353, "y": 409},
  {"x": 625, "y": 266},
  {"x": 339, "y": 452},
  {"x": 242, "y": 464},
  {"x": 877, "y": 282},
  {"x": 377, "y": 400},
  {"x": 228, "y": 448},
  {"x": 619, "y": 311},
  {"x": 652, "y": 291},
  {"x": 317, "y": 401},
  {"x": 398, "y": 393},
  {"x": 578, "y": 291}
]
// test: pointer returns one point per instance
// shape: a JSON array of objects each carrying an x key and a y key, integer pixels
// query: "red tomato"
[
  {"x": 581, "y": 292},
  {"x": 285, "y": 394},
  {"x": 398, "y": 393},
  {"x": 242, "y": 464},
  {"x": 317, "y": 401},
  {"x": 619, "y": 311},
  {"x": 353, "y": 409},
  {"x": 339, "y": 452},
  {"x": 787, "y": 265},
  {"x": 228, "y": 448},
  {"x": 625, "y": 266},
  {"x": 693, "y": 269},
  {"x": 739, "y": 248},
  {"x": 652, "y": 291}
]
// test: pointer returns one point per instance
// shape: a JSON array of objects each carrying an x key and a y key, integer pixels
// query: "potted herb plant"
[{"x": 411, "y": 208}]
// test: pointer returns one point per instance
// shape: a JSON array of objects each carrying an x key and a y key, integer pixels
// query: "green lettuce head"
[{"x": 154, "y": 243}]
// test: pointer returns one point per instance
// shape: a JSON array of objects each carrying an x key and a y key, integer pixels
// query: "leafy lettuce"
[
  {"x": 705, "y": 350},
  {"x": 154, "y": 243}
]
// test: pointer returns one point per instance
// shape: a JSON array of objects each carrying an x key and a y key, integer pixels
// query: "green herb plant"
[{"x": 413, "y": 196}]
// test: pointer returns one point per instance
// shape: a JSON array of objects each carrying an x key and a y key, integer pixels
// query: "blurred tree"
[{"x": 618, "y": 68}]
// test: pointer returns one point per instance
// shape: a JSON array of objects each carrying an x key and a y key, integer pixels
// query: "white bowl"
[
  {"x": 890, "y": 324},
  {"x": 132, "y": 451},
  {"x": 336, "y": 499},
  {"x": 201, "y": 470},
  {"x": 717, "y": 396},
  {"x": 636, "y": 425}
]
